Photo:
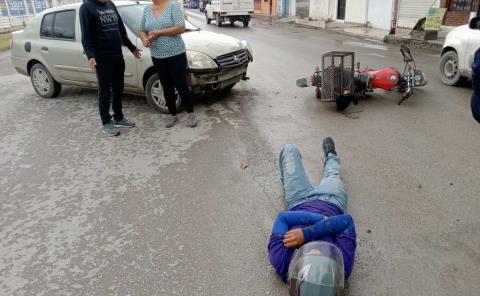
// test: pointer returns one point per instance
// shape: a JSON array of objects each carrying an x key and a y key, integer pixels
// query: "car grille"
[{"x": 232, "y": 60}]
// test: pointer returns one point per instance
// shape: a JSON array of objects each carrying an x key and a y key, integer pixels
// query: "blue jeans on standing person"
[{"x": 298, "y": 188}]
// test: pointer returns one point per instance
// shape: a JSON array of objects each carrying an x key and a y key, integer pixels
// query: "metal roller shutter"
[{"x": 410, "y": 11}]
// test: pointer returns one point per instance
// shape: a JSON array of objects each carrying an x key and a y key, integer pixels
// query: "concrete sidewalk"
[{"x": 402, "y": 36}]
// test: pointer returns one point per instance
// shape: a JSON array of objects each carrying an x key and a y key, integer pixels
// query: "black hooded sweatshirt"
[{"x": 103, "y": 32}]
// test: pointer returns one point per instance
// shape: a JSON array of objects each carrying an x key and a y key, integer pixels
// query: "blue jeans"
[{"x": 298, "y": 188}]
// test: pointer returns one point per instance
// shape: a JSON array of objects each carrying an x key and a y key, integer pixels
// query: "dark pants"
[
  {"x": 173, "y": 75},
  {"x": 475, "y": 104},
  {"x": 110, "y": 74}
]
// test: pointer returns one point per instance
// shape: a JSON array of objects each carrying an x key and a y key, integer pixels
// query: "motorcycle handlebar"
[{"x": 407, "y": 56}]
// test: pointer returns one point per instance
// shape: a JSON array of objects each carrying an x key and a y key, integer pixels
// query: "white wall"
[
  {"x": 356, "y": 11},
  {"x": 323, "y": 9},
  {"x": 380, "y": 13}
]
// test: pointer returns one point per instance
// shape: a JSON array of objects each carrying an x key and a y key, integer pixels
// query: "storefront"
[{"x": 410, "y": 11}]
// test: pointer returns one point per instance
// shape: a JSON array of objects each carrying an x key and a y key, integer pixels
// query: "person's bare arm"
[
  {"x": 145, "y": 40},
  {"x": 172, "y": 31}
]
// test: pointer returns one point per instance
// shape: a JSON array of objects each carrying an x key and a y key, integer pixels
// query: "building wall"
[
  {"x": 323, "y": 9},
  {"x": 266, "y": 7},
  {"x": 302, "y": 8},
  {"x": 356, "y": 11},
  {"x": 380, "y": 13},
  {"x": 457, "y": 18}
]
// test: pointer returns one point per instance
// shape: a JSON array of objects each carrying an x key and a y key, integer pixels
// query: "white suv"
[{"x": 458, "y": 52}]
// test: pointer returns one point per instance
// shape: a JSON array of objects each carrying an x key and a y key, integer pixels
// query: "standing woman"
[{"x": 161, "y": 28}]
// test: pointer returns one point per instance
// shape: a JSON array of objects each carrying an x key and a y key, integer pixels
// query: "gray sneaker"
[
  {"x": 123, "y": 123},
  {"x": 192, "y": 120},
  {"x": 110, "y": 129},
  {"x": 171, "y": 121}
]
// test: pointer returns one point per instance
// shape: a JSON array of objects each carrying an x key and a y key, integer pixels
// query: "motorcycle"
[{"x": 337, "y": 77}]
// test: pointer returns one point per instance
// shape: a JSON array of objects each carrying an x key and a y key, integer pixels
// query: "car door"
[
  {"x": 61, "y": 48},
  {"x": 472, "y": 45}
]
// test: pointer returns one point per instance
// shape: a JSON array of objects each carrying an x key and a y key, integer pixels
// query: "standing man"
[
  {"x": 103, "y": 35},
  {"x": 312, "y": 245}
]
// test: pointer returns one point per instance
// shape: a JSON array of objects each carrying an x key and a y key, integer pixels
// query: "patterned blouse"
[{"x": 164, "y": 46}]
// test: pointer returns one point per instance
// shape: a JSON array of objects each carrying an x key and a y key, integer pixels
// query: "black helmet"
[{"x": 316, "y": 269}]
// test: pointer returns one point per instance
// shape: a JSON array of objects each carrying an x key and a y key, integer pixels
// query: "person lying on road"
[{"x": 312, "y": 245}]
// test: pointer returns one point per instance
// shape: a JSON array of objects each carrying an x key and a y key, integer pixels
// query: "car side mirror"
[{"x": 475, "y": 23}]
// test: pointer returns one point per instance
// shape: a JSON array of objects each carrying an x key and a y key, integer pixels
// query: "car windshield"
[{"x": 132, "y": 16}]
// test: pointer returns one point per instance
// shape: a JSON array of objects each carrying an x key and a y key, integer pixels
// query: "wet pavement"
[{"x": 171, "y": 212}]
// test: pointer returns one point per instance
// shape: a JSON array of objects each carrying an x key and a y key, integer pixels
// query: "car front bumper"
[{"x": 202, "y": 82}]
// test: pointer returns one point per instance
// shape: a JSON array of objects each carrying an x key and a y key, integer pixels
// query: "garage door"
[{"x": 410, "y": 11}]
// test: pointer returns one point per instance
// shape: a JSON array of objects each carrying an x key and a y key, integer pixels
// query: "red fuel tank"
[{"x": 386, "y": 78}]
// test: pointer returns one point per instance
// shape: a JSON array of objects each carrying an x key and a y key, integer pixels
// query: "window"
[
  {"x": 132, "y": 16},
  {"x": 46, "y": 29},
  {"x": 64, "y": 25},
  {"x": 461, "y": 5},
  {"x": 59, "y": 25}
]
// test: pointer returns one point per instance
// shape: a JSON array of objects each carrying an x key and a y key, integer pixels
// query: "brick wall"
[
  {"x": 454, "y": 19},
  {"x": 458, "y": 18}
]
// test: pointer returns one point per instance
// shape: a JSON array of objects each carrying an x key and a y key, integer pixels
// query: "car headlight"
[
  {"x": 249, "y": 49},
  {"x": 200, "y": 61}
]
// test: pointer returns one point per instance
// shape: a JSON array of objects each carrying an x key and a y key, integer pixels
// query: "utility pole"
[
  {"x": 270, "y": 12},
  {"x": 393, "y": 24}
]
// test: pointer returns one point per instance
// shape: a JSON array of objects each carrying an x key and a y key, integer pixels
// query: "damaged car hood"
[{"x": 211, "y": 44}]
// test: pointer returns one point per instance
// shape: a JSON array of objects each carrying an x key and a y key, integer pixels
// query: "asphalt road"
[{"x": 170, "y": 212}]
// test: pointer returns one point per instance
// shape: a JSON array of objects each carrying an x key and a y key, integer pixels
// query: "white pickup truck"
[{"x": 229, "y": 10}]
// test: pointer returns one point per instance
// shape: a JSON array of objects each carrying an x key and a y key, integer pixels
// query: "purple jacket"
[{"x": 341, "y": 233}]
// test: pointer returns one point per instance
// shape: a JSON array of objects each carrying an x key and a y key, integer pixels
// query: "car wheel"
[
  {"x": 43, "y": 82},
  {"x": 155, "y": 97},
  {"x": 232, "y": 23},
  {"x": 208, "y": 19},
  {"x": 218, "y": 20},
  {"x": 245, "y": 23},
  {"x": 449, "y": 71}
]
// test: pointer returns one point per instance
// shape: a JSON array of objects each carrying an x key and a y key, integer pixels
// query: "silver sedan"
[{"x": 49, "y": 50}]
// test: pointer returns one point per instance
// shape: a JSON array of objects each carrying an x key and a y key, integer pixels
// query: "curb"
[
  {"x": 429, "y": 44},
  {"x": 387, "y": 39}
]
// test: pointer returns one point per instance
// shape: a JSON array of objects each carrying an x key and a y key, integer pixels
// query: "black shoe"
[{"x": 329, "y": 146}]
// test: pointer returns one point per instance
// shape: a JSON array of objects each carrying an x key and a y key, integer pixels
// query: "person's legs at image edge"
[{"x": 293, "y": 176}]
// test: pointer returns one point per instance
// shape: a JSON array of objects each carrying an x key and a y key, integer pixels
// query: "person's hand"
[
  {"x": 137, "y": 53},
  {"x": 294, "y": 239},
  {"x": 152, "y": 36},
  {"x": 93, "y": 65},
  {"x": 146, "y": 43}
]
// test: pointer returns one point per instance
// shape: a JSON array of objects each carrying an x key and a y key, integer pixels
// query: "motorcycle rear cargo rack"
[{"x": 337, "y": 74}]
